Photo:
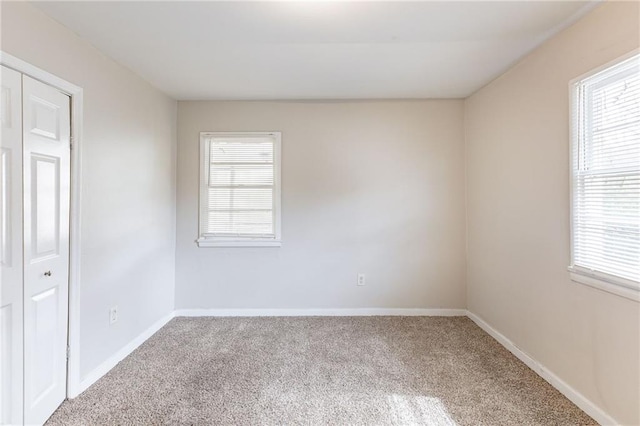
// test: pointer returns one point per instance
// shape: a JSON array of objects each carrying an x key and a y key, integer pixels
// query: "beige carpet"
[{"x": 321, "y": 371}]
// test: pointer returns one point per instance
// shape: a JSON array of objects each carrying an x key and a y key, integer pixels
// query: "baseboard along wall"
[
  {"x": 124, "y": 352},
  {"x": 355, "y": 312},
  {"x": 573, "y": 395}
]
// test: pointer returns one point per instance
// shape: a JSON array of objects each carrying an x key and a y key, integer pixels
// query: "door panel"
[
  {"x": 11, "y": 297},
  {"x": 45, "y": 181},
  {"x": 45, "y": 120},
  {"x": 46, "y": 124},
  {"x": 45, "y": 309}
]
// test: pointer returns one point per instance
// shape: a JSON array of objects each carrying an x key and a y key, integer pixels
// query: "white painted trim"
[
  {"x": 38, "y": 73},
  {"x": 573, "y": 395},
  {"x": 75, "y": 249},
  {"x": 604, "y": 66},
  {"x": 209, "y": 240},
  {"x": 609, "y": 283},
  {"x": 354, "y": 312},
  {"x": 76, "y": 94},
  {"x": 605, "y": 282},
  {"x": 114, "y": 359}
]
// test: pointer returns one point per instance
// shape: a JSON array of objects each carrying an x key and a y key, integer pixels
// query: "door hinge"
[
  {"x": 68, "y": 352},
  {"x": 71, "y": 143}
]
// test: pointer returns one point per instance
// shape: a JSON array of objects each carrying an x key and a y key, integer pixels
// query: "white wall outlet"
[
  {"x": 113, "y": 315},
  {"x": 361, "y": 279}
]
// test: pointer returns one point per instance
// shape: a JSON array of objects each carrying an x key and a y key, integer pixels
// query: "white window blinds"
[
  {"x": 606, "y": 174},
  {"x": 238, "y": 193}
]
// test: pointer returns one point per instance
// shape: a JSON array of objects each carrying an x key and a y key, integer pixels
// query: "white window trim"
[
  {"x": 606, "y": 282},
  {"x": 595, "y": 279},
  {"x": 213, "y": 241}
]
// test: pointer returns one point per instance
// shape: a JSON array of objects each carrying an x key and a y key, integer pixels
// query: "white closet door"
[
  {"x": 11, "y": 248},
  {"x": 46, "y": 137}
]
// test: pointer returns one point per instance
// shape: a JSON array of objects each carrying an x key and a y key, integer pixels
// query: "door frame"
[{"x": 76, "y": 95}]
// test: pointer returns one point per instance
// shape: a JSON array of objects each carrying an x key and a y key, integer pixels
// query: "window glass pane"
[
  {"x": 242, "y": 150},
  {"x": 241, "y": 174},
  {"x": 240, "y": 198},
  {"x": 606, "y": 188},
  {"x": 241, "y": 222}
]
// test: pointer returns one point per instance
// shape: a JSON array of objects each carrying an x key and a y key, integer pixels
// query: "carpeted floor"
[{"x": 321, "y": 371}]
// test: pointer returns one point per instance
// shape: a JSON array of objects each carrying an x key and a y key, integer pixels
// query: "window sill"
[
  {"x": 208, "y": 242},
  {"x": 600, "y": 282}
]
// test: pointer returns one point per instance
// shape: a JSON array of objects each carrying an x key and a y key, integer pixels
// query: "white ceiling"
[{"x": 316, "y": 49}]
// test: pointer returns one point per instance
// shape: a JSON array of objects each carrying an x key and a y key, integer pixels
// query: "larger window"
[
  {"x": 606, "y": 178},
  {"x": 239, "y": 189}
]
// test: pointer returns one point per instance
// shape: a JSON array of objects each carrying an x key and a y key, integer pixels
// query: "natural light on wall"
[{"x": 606, "y": 178}]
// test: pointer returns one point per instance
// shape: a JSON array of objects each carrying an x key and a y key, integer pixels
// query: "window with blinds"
[
  {"x": 239, "y": 189},
  {"x": 606, "y": 175}
]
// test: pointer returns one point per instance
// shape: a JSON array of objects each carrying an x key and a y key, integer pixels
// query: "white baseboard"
[
  {"x": 111, "y": 362},
  {"x": 573, "y": 395},
  {"x": 355, "y": 312}
]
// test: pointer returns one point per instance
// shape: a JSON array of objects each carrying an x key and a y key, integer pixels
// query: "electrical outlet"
[
  {"x": 113, "y": 315},
  {"x": 361, "y": 279}
]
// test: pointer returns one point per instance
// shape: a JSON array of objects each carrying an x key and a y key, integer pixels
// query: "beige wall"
[
  {"x": 517, "y": 141},
  {"x": 373, "y": 187},
  {"x": 128, "y": 182}
]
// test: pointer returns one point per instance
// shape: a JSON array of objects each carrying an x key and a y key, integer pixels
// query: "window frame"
[
  {"x": 607, "y": 282},
  {"x": 218, "y": 241}
]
